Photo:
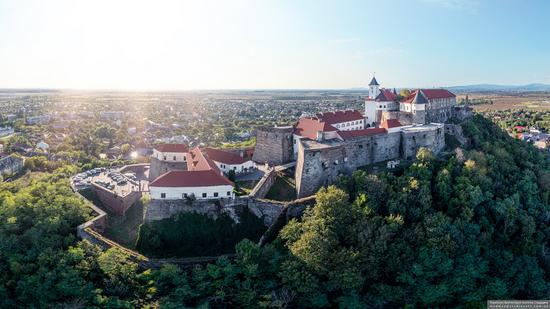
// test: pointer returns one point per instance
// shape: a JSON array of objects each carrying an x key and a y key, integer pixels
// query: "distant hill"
[{"x": 500, "y": 88}]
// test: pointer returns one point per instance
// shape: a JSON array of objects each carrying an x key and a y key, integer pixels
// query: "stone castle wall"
[
  {"x": 273, "y": 145},
  {"x": 439, "y": 115},
  {"x": 412, "y": 140},
  {"x": 262, "y": 187},
  {"x": 116, "y": 203},
  {"x": 321, "y": 166},
  {"x": 267, "y": 210}
]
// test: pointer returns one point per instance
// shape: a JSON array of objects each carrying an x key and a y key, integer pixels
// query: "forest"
[{"x": 447, "y": 232}]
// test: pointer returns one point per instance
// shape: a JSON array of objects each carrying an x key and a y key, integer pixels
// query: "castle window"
[
  {"x": 228, "y": 193},
  {"x": 164, "y": 158},
  {"x": 204, "y": 195},
  {"x": 360, "y": 146},
  {"x": 215, "y": 194},
  {"x": 184, "y": 195},
  {"x": 163, "y": 195},
  {"x": 174, "y": 158}
]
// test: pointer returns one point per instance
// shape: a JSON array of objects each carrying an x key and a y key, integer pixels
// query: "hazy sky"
[{"x": 120, "y": 44}]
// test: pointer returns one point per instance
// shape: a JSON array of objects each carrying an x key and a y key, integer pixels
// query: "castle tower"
[
  {"x": 374, "y": 88},
  {"x": 273, "y": 145}
]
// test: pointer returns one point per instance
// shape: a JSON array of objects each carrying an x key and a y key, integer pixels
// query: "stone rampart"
[
  {"x": 265, "y": 183},
  {"x": 321, "y": 163},
  {"x": 267, "y": 210}
]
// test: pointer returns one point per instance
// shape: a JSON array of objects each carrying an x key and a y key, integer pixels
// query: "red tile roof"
[
  {"x": 201, "y": 172},
  {"x": 360, "y": 133},
  {"x": 172, "y": 148},
  {"x": 224, "y": 156},
  {"x": 437, "y": 93},
  {"x": 429, "y": 94},
  {"x": 390, "y": 123},
  {"x": 196, "y": 161},
  {"x": 308, "y": 127},
  {"x": 386, "y": 95},
  {"x": 340, "y": 116},
  {"x": 190, "y": 179}
]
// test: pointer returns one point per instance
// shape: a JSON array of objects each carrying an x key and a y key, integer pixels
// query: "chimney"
[{"x": 319, "y": 136}]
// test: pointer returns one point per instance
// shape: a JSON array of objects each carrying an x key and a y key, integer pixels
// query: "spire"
[
  {"x": 419, "y": 98},
  {"x": 373, "y": 82}
]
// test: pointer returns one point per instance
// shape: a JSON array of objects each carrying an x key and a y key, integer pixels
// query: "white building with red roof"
[
  {"x": 170, "y": 152},
  {"x": 202, "y": 179},
  {"x": 428, "y": 105},
  {"x": 421, "y": 106},
  {"x": 230, "y": 161},
  {"x": 378, "y": 101}
]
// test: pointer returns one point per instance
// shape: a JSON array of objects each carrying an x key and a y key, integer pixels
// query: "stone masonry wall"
[
  {"x": 321, "y": 166},
  {"x": 413, "y": 140},
  {"x": 273, "y": 145},
  {"x": 439, "y": 115},
  {"x": 267, "y": 210},
  {"x": 265, "y": 183},
  {"x": 116, "y": 203}
]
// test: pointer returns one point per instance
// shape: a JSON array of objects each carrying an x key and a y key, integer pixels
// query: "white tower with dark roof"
[{"x": 374, "y": 88}]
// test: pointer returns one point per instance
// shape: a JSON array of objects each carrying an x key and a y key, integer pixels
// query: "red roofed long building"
[
  {"x": 230, "y": 161},
  {"x": 200, "y": 179}
]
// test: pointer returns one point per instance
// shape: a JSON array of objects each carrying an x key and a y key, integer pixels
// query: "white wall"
[
  {"x": 350, "y": 125},
  {"x": 238, "y": 168},
  {"x": 180, "y": 156},
  {"x": 176, "y": 193},
  {"x": 370, "y": 111},
  {"x": 374, "y": 91}
]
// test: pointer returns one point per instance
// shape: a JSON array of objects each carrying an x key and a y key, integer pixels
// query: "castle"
[{"x": 329, "y": 144}]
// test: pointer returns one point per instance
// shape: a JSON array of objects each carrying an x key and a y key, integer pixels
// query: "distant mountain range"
[{"x": 500, "y": 88}]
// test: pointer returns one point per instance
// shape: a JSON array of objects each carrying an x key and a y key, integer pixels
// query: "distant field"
[{"x": 534, "y": 101}]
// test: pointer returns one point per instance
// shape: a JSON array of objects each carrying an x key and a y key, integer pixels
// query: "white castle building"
[{"x": 420, "y": 106}]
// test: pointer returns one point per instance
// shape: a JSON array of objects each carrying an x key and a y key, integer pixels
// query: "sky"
[{"x": 271, "y": 44}]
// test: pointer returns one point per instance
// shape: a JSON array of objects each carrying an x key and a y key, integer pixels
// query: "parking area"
[
  {"x": 120, "y": 184},
  {"x": 113, "y": 180}
]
